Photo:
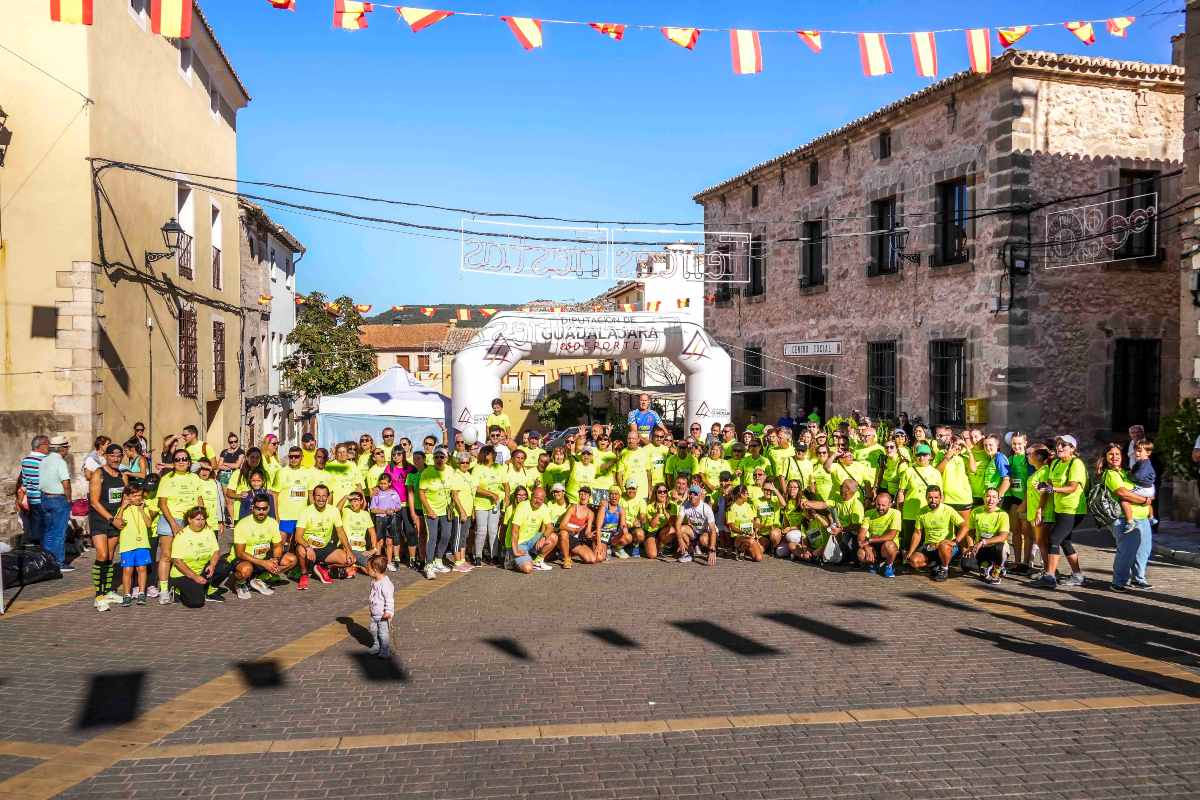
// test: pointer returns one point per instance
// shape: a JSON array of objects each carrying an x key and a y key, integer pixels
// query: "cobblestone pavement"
[{"x": 901, "y": 688}]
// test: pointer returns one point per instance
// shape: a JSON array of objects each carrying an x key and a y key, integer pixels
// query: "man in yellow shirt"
[
  {"x": 880, "y": 537},
  {"x": 532, "y": 531},
  {"x": 939, "y": 530},
  {"x": 308, "y": 450},
  {"x": 257, "y": 549},
  {"x": 292, "y": 486},
  {"x": 321, "y": 539}
]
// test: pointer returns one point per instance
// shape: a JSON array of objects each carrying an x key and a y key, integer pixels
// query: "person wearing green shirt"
[
  {"x": 498, "y": 419},
  {"x": 634, "y": 464},
  {"x": 753, "y": 460},
  {"x": 767, "y": 502},
  {"x": 361, "y": 533},
  {"x": 633, "y": 506},
  {"x": 730, "y": 443},
  {"x": 1132, "y": 532},
  {"x": 869, "y": 450},
  {"x": 658, "y": 519},
  {"x": 606, "y": 470},
  {"x": 583, "y": 473},
  {"x": 489, "y": 496},
  {"x": 1064, "y": 489},
  {"x": 756, "y": 427},
  {"x": 342, "y": 475},
  {"x": 1038, "y": 520},
  {"x": 957, "y": 466},
  {"x": 375, "y": 467},
  {"x": 178, "y": 492},
  {"x": 879, "y": 536},
  {"x": 657, "y": 452},
  {"x": 558, "y": 470},
  {"x": 321, "y": 539},
  {"x": 194, "y": 561},
  {"x": 740, "y": 517},
  {"x": 989, "y": 529},
  {"x": 434, "y": 487},
  {"x": 1013, "y": 501},
  {"x": 892, "y": 466},
  {"x": 293, "y": 483},
  {"x": 685, "y": 461},
  {"x": 780, "y": 453},
  {"x": 462, "y": 509},
  {"x": 519, "y": 473},
  {"x": 710, "y": 469},
  {"x": 938, "y": 531},
  {"x": 532, "y": 532},
  {"x": 844, "y": 468},
  {"x": 258, "y": 549},
  {"x": 914, "y": 483}
]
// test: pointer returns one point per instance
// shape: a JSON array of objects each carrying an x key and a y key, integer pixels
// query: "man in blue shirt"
[
  {"x": 644, "y": 418},
  {"x": 31, "y": 467}
]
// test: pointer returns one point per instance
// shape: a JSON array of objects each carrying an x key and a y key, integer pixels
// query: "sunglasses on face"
[
  {"x": 293, "y": 455},
  {"x": 661, "y": 491},
  {"x": 182, "y": 460}
]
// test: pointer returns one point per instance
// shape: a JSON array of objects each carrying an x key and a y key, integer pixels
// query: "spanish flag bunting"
[
  {"x": 683, "y": 302},
  {"x": 875, "y": 58},
  {"x": 812, "y": 39},
  {"x": 76, "y": 12},
  {"x": 627, "y": 308},
  {"x": 710, "y": 298},
  {"x": 747, "y": 52},
  {"x": 332, "y": 308},
  {"x": 654, "y": 306},
  {"x": 283, "y": 5},
  {"x": 264, "y": 299},
  {"x": 979, "y": 49},
  {"x": 171, "y": 18},
  {"x": 363, "y": 309},
  {"x": 557, "y": 310},
  {"x": 1010, "y": 36},
  {"x": 527, "y": 30},
  {"x": 397, "y": 309},
  {"x": 684, "y": 37},
  {"x": 464, "y": 314},
  {"x": 924, "y": 48},
  {"x": 1083, "y": 31},
  {"x": 597, "y": 308},
  {"x": 1117, "y": 26},
  {"x": 487, "y": 312},
  {"x": 351, "y": 15},
  {"x": 300, "y": 300},
  {"x": 421, "y": 18},
  {"x": 428, "y": 311},
  {"x": 612, "y": 30}
]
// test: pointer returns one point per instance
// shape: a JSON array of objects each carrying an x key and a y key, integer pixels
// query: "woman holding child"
[{"x": 1131, "y": 528}]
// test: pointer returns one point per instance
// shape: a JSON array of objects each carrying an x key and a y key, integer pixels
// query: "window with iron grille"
[
  {"x": 1137, "y": 378},
  {"x": 753, "y": 374},
  {"x": 814, "y": 172},
  {"x": 218, "y": 278},
  {"x": 1138, "y": 188},
  {"x": 758, "y": 266},
  {"x": 754, "y": 196},
  {"x": 566, "y": 382},
  {"x": 883, "y": 238},
  {"x": 885, "y": 144},
  {"x": 812, "y": 267},
  {"x": 423, "y": 363},
  {"x": 185, "y": 213},
  {"x": 188, "y": 371},
  {"x": 881, "y": 380},
  {"x": 219, "y": 359},
  {"x": 595, "y": 383},
  {"x": 948, "y": 381},
  {"x": 950, "y": 234}
]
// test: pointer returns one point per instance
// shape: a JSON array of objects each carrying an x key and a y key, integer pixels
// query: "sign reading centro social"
[{"x": 800, "y": 349}]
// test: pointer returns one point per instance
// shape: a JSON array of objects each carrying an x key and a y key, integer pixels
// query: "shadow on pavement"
[
  {"x": 817, "y": 628},
  {"x": 725, "y": 638},
  {"x": 360, "y": 634},
  {"x": 113, "y": 699},
  {"x": 510, "y": 647},
  {"x": 614, "y": 637},
  {"x": 380, "y": 670},
  {"x": 261, "y": 674},
  {"x": 860, "y": 605},
  {"x": 942, "y": 601}
]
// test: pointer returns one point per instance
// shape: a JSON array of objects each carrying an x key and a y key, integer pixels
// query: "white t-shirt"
[
  {"x": 502, "y": 453},
  {"x": 698, "y": 517}
]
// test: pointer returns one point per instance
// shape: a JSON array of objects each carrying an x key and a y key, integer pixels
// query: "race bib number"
[
  {"x": 298, "y": 493},
  {"x": 746, "y": 527},
  {"x": 115, "y": 494},
  {"x": 358, "y": 541},
  {"x": 260, "y": 550}
]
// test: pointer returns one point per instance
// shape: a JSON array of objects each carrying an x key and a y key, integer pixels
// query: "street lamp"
[
  {"x": 5, "y": 136},
  {"x": 175, "y": 238}
]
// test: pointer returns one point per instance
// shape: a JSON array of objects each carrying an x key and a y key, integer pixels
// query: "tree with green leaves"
[
  {"x": 329, "y": 356},
  {"x": 562, "y": 409}
]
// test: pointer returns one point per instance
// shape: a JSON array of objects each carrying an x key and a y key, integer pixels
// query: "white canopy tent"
[{"x": 393, "y": 399}]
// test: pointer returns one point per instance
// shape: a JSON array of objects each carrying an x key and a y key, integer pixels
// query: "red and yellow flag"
[
  {"x": 654, "y": 305},
  {"x": 351, "y": 15},
  {"x": 421, "y": 18},
  {"x": 332, "y": 308},
  {"x": 283, "y": 5},
  {"x": 301, "y": 299},
  {"x": 487, "y": 312},
  {"x": 684, "y": 37},
  {"x": 527, "y": 30},
  {"x": 876, "y": 61},
  {"x": 264, "y": 299},
  {"x": 1117, "y": 26},
  {"x": 171, "y": 18},
  {"x": 627, "y": 308},
  {"x": 612, "y": 30},
  {"x": 428, "y": 311},
  {"x": 683, "y": 302},
  {"x": 1010, "y": 36},
  {"x": 812, "y": 39},
  {"x": 1083, "y": 31},
  {"x": 747, "y": 52},
  {"x": 76, "y": 12},
  {"x": 363, "y": 309},
  {"x": 924, "y": 48},
  {"x": 979, "y": 49},
  {"x": 464, "y": 314}
]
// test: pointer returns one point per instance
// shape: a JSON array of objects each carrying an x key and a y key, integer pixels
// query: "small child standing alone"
[
  {"x": 134, "y": 543},
  {"x": 382, "y": 606},
  {"x": 1142, "y": 473}
]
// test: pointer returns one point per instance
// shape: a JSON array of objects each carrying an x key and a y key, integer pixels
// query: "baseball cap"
[
  {"x": 631, "y": 483},
  {"x": 558, "y": 487},
  {"x": 440, "y": 450},
  {"x": 1068, "y": 438},
  {"x": 923, "y": 450},
  {"x": 695, "y": 489}
]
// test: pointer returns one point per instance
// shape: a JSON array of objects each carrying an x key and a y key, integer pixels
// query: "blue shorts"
[
  {"x": 530, "y": 547},
  {"x": 136, "y": 558},
  {"x": 287, "y": 526}
]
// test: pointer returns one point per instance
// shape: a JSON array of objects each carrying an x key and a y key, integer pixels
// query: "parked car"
[{"x": 559, "y": 438}]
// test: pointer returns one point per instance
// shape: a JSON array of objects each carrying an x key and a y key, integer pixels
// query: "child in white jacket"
[{"x": 382, "y": 605}]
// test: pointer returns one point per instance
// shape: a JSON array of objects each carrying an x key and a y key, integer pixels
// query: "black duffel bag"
[{"x": 28, "y": 565}]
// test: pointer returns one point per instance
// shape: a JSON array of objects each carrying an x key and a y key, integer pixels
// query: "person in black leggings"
[{"x": 1065, "y": 489}]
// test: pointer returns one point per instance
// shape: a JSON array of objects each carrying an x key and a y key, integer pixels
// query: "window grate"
[
  {"x": 758, "y": 266},
  {"x": 951, "y": 223},
  {"x": 812, "y": 272},
  {"x": 1137, "y": 378},
  {"x": 753, "y": 372},
  {"x": 883, "y": 242},
  {"x": 218, "y": 278},
  {"x": 218, "y": 332},
  {"x": 881, "y": 380},
  {"x": 948, "y": 381},
  {"x": 1139, "y": 192},
  {"x": 189, "y": 377}
]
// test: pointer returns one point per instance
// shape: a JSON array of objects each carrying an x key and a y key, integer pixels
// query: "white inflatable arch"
[{"x": 512, "y": 336}]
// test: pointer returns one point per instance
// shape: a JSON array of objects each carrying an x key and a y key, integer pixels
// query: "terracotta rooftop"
[
  {"x": 427, "y": 336},
  {"x": 1060, "y": 62}
]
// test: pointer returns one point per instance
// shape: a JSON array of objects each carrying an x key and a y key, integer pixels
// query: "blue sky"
[{"x": 460, "y": 115}]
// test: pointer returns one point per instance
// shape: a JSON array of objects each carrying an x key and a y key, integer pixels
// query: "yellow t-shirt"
[
  {"x": 881, "y": 524},
  {"x": 200, "y": 449},
  {"x": 500, "y": 421},
  {"x": 488, "y": 478},
  {"x": 318, "y": 525},
  {"x": 749, "y": 464},
  {"x": 358, "y": 526},
  {"x": 581, "y": 475},
  {"x": 462, "y": 484},
  {"x": 436, "y": 486},
  {"x": 1062, "y": 473},
  {"x": 527, "y": 477},
  {"x": 182, "y": 492},
  {"x": 194, "y": 548},
  {"x": 914, "y": 483},
  {"x": 956, "y": 484},
  {"x": 342, "y": 477},
  {"x": 739, "y": 517},
  {"x": 987, "y": 524},
  {"x": 633, "y": 465},
  {"x": 850, "y": 513},
  {"x": 308, "y": 458},
  {"x": 605, "y": 461},
  {"x": 293, "y": 486},
  {"x": 766, "y": 506},
  {"x": 136, "y": 534},
  {"x": 530, "y": 521},
  {"x": 939, "y": 524},
  {"x": 258, "y": 537},
  {"x": 1119, "y": 479},
  {"x": 635, "y": 510},
  {"x": 656, "y": 455}
]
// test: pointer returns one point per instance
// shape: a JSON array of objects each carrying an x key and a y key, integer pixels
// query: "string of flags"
[{"x": 173, "y": 19}]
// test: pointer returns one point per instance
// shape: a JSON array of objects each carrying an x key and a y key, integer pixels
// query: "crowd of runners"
[{"x": 883, "y": 496}]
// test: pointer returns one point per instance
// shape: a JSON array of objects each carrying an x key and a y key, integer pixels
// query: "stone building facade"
[{"x": 968, "y": 242}]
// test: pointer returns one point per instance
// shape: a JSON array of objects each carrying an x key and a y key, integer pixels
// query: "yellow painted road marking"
[
  {"x": 53, "y": 601},
  {"x": 73, "y": 765}
]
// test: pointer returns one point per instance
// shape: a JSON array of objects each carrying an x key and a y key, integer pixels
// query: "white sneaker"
[
  {"x": 440, "y": 566},
  {"x": 152, "y": 592},
  {"x": 391, "y": 566},
  {"x": 113, "y": 597},
  {"x": 260, "y": 587},
  {"x": 243, "y": 593},
  {"x": 101, "y": 604},
  {"x": 430, "y": 572},
  {"x": 164, "y": 599},
  {"x": 542, "y": 566},
  {"x": 686, "y": 558}
]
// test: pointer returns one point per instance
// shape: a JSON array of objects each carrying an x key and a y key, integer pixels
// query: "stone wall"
[{"x": 255, "y": 356}]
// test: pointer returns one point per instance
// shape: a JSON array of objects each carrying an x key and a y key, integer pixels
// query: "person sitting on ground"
[
  {"x": 880, "y": 536},
  {"x": 321, "y": 539},
  {"x": 741, "y": 517},
  {"x": 610, "y": 527},
  {"x": 696, "y": 527},
  {"x": 989, "y": 527},
  {"x": 633, "y": 506},
  {"x": 658, "y": 519},
  {"x": 258, "y": 551},
  {"x": 767, "y": 502},
  {"x": 361, "y": 534},
  {"x": 575, "y": 530},
  {"x": 532, "y": 531},
  {"x": 935, "y": 539},
  {"x": 195, "y": 561}
]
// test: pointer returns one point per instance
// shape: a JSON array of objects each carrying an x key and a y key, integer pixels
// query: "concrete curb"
[{"x": 1177, "y": 556}]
